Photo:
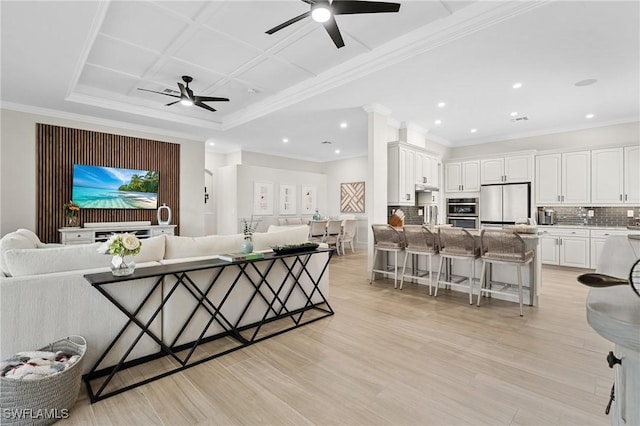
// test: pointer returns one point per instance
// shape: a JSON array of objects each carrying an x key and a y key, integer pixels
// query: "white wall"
[
  {"x": 18, "y": 170},
  {"x": 343, "y": 171},
  {"x": 277, "y": 162},
  {"x": 616, "y": 135}
]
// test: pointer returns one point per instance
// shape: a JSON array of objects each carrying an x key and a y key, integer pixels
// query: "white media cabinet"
[{"x": 100, "y": 232}]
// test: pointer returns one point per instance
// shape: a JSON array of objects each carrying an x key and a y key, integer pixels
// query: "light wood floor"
[{"x": 395, "y": 357}]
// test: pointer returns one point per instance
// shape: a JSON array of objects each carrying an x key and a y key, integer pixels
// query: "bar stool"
[
  {"x": 386, "y": 239},
  {"x": 420, "y": 241},
  {"x": 458, "y": 243},
  {"x": 505, "y": 247}
]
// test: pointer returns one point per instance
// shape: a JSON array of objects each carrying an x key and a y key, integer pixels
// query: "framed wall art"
[
  {"x": 262, "y": 198},
  {"x": 308, "y": 199},
  {"x": 352, "y": 197},
  {"x": 287, "y": 199}
]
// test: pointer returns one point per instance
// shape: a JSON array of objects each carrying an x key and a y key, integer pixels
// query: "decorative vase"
[
  {"x": 121, "y": 265},
  {"x": 164, "y": 206},
  {"x": 247, "y": 246},
  {"x": 72, "y": 221}
]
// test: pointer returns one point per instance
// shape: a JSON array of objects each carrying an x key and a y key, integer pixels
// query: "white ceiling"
[{"x": 89, "y": 58}]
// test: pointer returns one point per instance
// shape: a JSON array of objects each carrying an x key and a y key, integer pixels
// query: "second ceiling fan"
[
  {"x": 324, "y": 12},
  {"x": 187, "y": 98}
]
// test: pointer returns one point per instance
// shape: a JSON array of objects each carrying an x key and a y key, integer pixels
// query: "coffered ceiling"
[{"x": 90, "y": 58}]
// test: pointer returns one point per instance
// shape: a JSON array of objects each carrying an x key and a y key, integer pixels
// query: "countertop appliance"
[
  {"x": 463, "y": 212},
  {"x": 504, "y": 204},
  {"x": 546, "y": 217}
]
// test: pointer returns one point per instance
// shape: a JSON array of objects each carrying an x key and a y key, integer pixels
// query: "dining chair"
[
  {"x": 317, "y": 231},
  {"x": 349, "y": 228},
  {"x": 503, "y": 247},
  {"x": 334, "y": 232}
]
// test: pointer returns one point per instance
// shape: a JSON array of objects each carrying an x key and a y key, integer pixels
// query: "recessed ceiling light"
[
  {"x": 337, "y": 151},
  {"x": 474, "y": 130},
  {"x": 285, "y": 140},
  {"x": 513, "y": 114},
  {"x": 438, "y": 121},
  {"x": 441, "y": 104},
  {"x": 517, "y": 85},
  {"x": 589, "y": 116},
  {"x": 587, "y": 82},
  {"x": 343, "y": 125},
  {"x": 212, "y": 143}
]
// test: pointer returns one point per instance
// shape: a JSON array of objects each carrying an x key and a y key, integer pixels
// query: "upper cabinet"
[
  {"x": 407, "y": 167},
  {"x": 563, "y": 178},
  {"x": 615, "y": 175},
  {"x": 427, "y": 170},
  {"x": 506, "y": 170},
  {"x": 462, "y": 177}
]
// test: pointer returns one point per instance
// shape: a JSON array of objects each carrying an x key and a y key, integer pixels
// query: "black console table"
[{"x": 236, "y": 333}]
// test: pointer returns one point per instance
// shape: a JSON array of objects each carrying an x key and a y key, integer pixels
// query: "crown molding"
[
  {"x": 45, "y": 112},
  {"x": 414, "y": 127}
]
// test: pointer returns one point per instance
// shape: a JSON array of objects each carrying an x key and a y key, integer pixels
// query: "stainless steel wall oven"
[{"x": 463, "y": 212}]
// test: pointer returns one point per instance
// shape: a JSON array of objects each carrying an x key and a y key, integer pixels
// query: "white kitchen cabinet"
[
  {"x": 565, "y": 247},
  {"x": 401, "y": 175},
  {"x": 632, "y": 174},
  {"x": 615, "y": 176},
  {"x": 506, "y": 170},
  {"x": 462, "y": 177},
  {"x": 426, "y": 170},
  {"x": 563, "y": 178}
]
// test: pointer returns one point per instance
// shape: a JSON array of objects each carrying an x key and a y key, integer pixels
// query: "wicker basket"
[{"x": 43, "y": 401}]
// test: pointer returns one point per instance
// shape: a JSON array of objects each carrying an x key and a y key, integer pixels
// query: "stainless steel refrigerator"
[{"x": 502, "y": 204}]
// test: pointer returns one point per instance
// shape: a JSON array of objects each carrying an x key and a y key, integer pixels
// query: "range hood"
[{"x": 424, "y": 187}]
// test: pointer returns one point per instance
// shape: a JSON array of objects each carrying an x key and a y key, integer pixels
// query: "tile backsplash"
[
  {"x": 603, "y": 216},
  {"x": 411, "y": 216}
]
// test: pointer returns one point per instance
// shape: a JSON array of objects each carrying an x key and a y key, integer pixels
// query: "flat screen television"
[{"x": 98, "y": 187}]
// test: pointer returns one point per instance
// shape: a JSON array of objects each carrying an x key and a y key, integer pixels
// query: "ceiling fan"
[
  {"x": 187, "y": 98},
  {"x": 324, "y": 12}
]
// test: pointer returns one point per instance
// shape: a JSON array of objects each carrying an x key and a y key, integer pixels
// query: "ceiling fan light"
[
  {"x": 320, "y": 13},
  {"x": 186, "y": 102}
]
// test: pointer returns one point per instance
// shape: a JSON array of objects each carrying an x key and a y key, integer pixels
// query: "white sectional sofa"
[{"x": 44, "y": 295}]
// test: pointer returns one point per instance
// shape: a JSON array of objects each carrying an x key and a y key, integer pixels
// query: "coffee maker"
[{"x": 546, "y": 217}]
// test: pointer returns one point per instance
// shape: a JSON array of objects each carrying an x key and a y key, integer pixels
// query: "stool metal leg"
[
  {"x": 373, "y": 267},
  {"x": 482, "y": 280},
  {"x": 438, "y": 278},
  {"x": 520, "y": 287},
  {"x": 395, "y": 269},
  {"x": 430, "y": 273},
  {"x": 472, "y": 270},
  {"x": 404, "y": 267}
]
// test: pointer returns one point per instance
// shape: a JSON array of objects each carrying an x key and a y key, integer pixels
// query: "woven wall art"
[{"x": 352, "y": 197}]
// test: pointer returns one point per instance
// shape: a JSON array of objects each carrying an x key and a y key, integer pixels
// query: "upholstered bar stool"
[
  {"x": 458, "y": 243},
  {"x": 419, "y": 241},
  {"x": 506, "y": 247},
  {"x": 386, "y": 239}
]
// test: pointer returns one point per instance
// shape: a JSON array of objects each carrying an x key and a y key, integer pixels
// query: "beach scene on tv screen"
[{"x": 96, "y": 187}]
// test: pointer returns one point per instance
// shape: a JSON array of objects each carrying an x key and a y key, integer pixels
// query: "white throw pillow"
[
  {"x": 12, "y": 241},
  {"x": 179, "y": 247},
  {"x": 31, "y": 236},
  {"x": 291, "y": 235},
  {"x": 152, "y": 250}
]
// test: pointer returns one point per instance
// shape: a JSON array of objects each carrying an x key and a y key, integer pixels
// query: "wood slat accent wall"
[{"x": 59, "y": 148}]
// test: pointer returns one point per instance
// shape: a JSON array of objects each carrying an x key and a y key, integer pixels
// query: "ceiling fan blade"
[
  {"x": 311, "y": 2},
  {"x": 332, "y": 28},
  {"x": 160, "y": 93},
  {"x": 205, "y": 106},
  {"x": 349, "y": 7},
  {"x": 183, "y": 91},
  {"x": 198, "y": 99},
  {"x": 172, "y": 103},
  {"x": 289, "y": 22}
]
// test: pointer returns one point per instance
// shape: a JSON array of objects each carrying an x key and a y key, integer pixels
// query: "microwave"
[{"x": 462, "y": 207}]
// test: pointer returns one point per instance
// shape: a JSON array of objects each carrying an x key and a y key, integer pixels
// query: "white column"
[{"x": 376, "y": 191}]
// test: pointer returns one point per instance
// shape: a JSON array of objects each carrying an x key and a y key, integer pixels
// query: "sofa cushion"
[
  {"x": 37, "y": 261},
  {"x": 280, "y": 235},
  {"x": 12, "y": 241},
  {"x": 179, "y": 247},
  {"x": 152, "y": 249},
  {"x": 31, "y": 236}
]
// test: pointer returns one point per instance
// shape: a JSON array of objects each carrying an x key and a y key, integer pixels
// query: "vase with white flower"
[
  {"x": 249, "y": 226},
  {"x": 122, "y": 247}
]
